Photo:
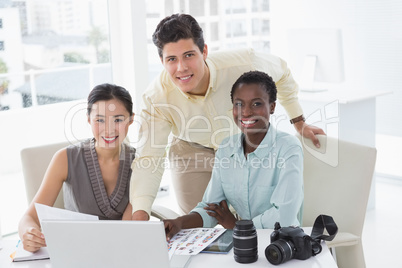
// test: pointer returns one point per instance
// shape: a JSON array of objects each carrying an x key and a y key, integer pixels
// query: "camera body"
[{"x": 288, "y": 243}]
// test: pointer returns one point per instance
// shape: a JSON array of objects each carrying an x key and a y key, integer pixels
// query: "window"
[
  {"x": 47, "y": 83},
  {"x": 197, "y": 8},
  {"x": 169, "y": 6},
  {"x": 260, "y": 27},
  {"x": 214, "y": 31},
  {"x": 235, "y": 6},
  {"x": 236, "y": 28},
  {"x": 63, "y": 40},
  {"x": 226, "y": 24},
  {"x": 260, "y": 5},
  {"x": 48, "y": 63},
  {"x": 214, "y": 7}
]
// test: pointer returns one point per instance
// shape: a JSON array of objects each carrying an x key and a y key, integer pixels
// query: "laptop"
[{"x": 106, "y": 244}]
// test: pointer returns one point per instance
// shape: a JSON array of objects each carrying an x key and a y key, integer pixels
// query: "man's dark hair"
[
  {"x": 259, "y": 78},
  {"x": 176, "y": 27}
]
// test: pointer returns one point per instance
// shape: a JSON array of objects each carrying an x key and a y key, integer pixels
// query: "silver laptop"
[{"x": 106, "y": 244}]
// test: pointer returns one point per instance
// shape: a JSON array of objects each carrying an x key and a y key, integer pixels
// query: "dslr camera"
[{"x": 290, "y": 243}]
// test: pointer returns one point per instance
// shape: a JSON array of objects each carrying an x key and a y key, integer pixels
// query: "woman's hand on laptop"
[
  {"x": 33, "y": 239},
  {"x": 172, "y": 227}
]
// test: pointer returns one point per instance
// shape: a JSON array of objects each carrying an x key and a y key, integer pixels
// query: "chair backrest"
[
  {"x": 35, "y": 161},
  {"x": 337, "y": 182}
]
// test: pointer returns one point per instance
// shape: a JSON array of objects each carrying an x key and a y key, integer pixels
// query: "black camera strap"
[{"x": 322, "y": 223}]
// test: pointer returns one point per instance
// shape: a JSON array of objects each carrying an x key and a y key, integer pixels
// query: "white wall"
[
  {"x": 317, "y": 14},
  {"x": 40, "y": 125},
  {"x": 372, "y": 45}
]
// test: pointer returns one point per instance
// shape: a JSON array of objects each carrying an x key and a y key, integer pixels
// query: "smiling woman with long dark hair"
[{"x": 94, "y": 174}]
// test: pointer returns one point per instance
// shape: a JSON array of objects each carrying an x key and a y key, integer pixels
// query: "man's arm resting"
[
  {"x": 144, "y": 186},
  {"x": 307, "y": 131},
  {"x": 140, "y": 215}
]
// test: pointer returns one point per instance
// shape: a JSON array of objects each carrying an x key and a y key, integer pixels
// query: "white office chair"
[
  {"x": 1, "y": 236},
  {"x": 337, "y": 182},
  {"x": 35, "y": 161}
]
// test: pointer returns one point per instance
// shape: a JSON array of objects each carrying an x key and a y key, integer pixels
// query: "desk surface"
[{"x": 324, "y": 259}]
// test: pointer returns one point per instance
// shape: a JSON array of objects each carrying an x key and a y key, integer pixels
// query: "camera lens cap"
[{"x": 244, "y": 224}]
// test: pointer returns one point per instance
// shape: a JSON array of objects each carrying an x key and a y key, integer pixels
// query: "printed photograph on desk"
[{"x": 193, "y": 241}]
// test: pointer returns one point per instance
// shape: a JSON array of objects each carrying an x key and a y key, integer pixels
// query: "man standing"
[{"x": 190, "y": 99}]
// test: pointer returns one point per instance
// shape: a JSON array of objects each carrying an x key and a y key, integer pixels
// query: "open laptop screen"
[{"x": 106, "y": 243}]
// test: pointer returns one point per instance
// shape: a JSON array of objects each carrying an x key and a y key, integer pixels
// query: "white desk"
[{"x": 322, "y": 260}]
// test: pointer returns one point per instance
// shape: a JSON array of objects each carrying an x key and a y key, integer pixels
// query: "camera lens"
[
  {"x": 245, "y": 242},
  {"x": 279, "y": 251}
]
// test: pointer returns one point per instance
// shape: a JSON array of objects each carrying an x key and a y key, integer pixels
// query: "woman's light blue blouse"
[{"x": 266, "y": 187}]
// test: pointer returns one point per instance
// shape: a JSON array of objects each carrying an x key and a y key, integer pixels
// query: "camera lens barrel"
[
  {"x": 245, "y": 242},
  {"x": 279, "y": 251}
]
